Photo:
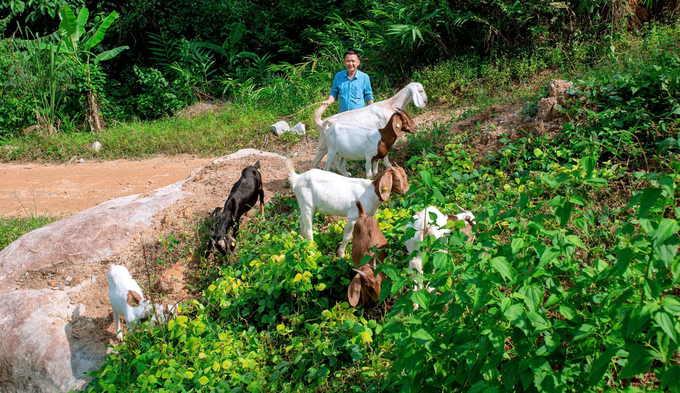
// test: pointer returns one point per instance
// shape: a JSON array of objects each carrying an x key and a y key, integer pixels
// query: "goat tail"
[
  {"x": 292, "y": 176},
  {"x": 360, "y": 207},
  {"x": 317, "y": 117},
  {"x": 257, "y": 165}
]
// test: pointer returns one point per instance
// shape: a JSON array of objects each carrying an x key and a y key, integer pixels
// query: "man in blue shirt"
[{"x": 351, "y": 87}]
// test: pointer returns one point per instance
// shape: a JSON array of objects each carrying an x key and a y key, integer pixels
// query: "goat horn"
[
  {"x": 461, "y": 209},
  {"x": 360, "y": 272}
]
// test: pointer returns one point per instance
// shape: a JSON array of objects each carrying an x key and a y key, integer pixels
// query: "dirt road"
[{"x": 60, "y": 190}]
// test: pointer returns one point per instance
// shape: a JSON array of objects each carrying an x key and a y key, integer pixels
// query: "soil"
[{"x": 65, "y": 189}]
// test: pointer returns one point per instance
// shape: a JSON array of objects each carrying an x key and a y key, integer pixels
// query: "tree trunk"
[{"x": 93, "y": 119}]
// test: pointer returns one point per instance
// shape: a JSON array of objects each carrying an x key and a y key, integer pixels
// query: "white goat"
[
  {"x": 330, "y": 193},
  {"x": 374, "y": 116},
  {"x": 347, "y": 141},
  {"x": 425, "y": 226},
  {"x": 127, "y": 300}
]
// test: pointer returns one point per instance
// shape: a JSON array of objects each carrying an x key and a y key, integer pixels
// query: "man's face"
[{"x": 351, "y": 63}]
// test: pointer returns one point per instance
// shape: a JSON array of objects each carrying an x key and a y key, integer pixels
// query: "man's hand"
[{"x": 329, "y": 101}]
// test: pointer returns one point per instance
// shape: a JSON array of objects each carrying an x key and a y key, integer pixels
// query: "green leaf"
[
  {"x": 82, "y": 19},
  {"x": 671, "y": 304},
  {"x": 584, "y": 331},
  {"x": 623, "y": 259},
  {"x": 639, "y": 361},
  {"x": 236, "y": 32},
  {"x": 577, "y": 200},
  {"x": 516, "y": 315},
  {"x": 574, "y": 240},
  {"x": 651, "y": 288},
  {"x": 667, "y": 228},
  {"x": 667, "y": 325},
  {"x": 70, "y": 26},
  {"x": 109, "y": 54},
  {"x": 422, "y": 338},
  {"x": 502, "y": 266},
  {"x": 647, "y": 200},
  {"x": 548, "y": 255},
  {"x": 601, "y": 365},
  {"x": 438, "y": 195},
  {"x": 99, "y": 31},
  {"x": 517, "y": 244},
  {"x": 533, "y": 296},
  {"x": 427, "y": 178},
  {"x": 203, "y": 380},
  {"x": 588, "y": 164},
  {"x": 563, "y": 213}
]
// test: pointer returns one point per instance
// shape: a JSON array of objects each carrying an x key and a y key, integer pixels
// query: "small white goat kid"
[
  {"x": 330, "y": 193},
  {"x": 370, "y": 117},
  {"x": 127, "y": 300},
  {"x": 426, "y": 226}
]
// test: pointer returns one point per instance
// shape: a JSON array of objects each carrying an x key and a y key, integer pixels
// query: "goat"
[
  {"x": 127, "y": 300},
  {"x": 374, "y": 116},
  {"x": 356, "y": 143},
  {"x": 366, "y": 234},
  {"x": 425, "y": 226},
  {"x": 330, "y": 193},
  {"x": 242, "y": 198}
]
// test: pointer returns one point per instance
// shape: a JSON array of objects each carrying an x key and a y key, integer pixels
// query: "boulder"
[{"x": 39, "y": 351}]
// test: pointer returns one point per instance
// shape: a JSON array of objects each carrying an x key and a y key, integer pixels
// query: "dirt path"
[{"x": 60, "y": 190}]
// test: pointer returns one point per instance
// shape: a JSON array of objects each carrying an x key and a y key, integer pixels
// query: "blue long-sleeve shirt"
[{"x": 351, "y": 93}]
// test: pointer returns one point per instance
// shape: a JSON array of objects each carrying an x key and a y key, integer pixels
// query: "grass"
[{"x": 11, "y": 228}]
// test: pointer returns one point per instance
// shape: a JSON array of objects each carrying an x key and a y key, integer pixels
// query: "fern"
[{"x": 165, "y": 51}]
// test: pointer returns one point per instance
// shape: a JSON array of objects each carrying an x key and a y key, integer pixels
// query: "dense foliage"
[
  {"x": 179, "y": 53},
  {"x": 571, "y": 282}
]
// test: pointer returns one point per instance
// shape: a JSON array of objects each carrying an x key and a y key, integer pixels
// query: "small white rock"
[
  {"x": 279, "y": 128},
  {"x": 299, "y": 129},
  {"x": 95, "y": 146},
  {"x": 81, "y": 160}
]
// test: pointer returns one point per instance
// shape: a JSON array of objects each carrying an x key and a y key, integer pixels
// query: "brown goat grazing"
[
  {"x": 365, "y": 284},
  {"x": 366, "y": 235}
]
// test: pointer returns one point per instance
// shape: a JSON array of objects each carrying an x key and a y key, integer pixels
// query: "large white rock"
[{"x": 38, "y": 352}]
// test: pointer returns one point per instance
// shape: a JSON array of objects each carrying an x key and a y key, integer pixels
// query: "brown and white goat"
[
  {"x": 366, "y": 234},
  {"x": 350, "y": 142}
]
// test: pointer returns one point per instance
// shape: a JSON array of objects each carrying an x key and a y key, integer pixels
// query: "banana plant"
[{"x": 78, "y": 42}]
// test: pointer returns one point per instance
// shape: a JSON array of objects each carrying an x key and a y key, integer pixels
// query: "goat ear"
[
  {"x": 385, "y": 186},
  {"x": 354, "y": 290},
  {"x": 381, "y": 276},
  {"x": 452, "y": 218},
  {"x": 133, "y": 298},
  {"x": 396, "y": 126}
]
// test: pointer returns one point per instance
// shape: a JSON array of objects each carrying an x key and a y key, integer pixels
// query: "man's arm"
[
  {"x": 329, "y": 101},
  {"x": 335, "y": 90}
]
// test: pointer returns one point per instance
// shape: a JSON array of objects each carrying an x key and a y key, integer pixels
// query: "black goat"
[{"x": 242, "y": 198}]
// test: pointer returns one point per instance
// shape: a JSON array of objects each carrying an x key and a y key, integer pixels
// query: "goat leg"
[{"x": 262, "y": 203}]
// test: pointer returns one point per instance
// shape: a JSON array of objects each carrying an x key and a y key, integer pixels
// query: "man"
[{"x": 351, "y": 87}]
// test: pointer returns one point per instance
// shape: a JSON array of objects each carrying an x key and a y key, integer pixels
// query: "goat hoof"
[{"x": 340, "y": 252}]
